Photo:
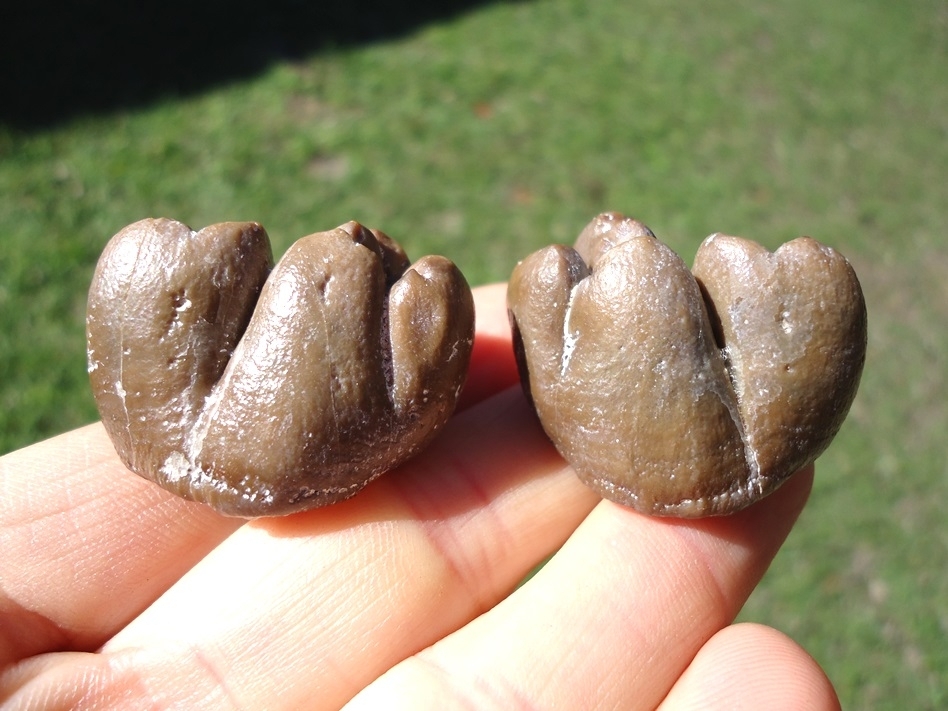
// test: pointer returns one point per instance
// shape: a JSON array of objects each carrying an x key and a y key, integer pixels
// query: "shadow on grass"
[{"x": 65, "y": 59}]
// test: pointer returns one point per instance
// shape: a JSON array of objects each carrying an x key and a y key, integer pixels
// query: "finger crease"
[
  {"x": 476, "y": 691},
  {"x": 443, "y": 511}
]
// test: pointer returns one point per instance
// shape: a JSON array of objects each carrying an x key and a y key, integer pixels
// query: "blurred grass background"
[{"x": 483, "y": 131}]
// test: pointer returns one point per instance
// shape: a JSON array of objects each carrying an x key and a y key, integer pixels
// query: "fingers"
[
  {"x": 754, "y": 667},
  {"x": 612, "y": 621},
  {"x": 87, "y": 545},
  {"x": 308, "y": 609}
]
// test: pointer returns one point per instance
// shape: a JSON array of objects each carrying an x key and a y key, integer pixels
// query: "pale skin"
[{"x": 114, "y": 593}]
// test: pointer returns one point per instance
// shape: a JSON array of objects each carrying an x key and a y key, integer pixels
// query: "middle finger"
[{"x": 332, "y": 598}]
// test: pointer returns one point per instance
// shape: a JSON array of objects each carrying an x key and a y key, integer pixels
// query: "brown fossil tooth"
[
  {"x": 659, "y": 405},
  {"x": 347, "y": 364}
]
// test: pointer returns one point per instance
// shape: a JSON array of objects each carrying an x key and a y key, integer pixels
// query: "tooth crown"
[
  {"x": 265, "y": 393},
  {"x": 680, "y": 394}
]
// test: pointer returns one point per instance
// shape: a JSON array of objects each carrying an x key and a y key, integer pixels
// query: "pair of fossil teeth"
[{"x": 263, "y": 391}]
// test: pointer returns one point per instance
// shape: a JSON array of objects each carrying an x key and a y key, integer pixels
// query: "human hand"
[{"x": 114, "y": 593}]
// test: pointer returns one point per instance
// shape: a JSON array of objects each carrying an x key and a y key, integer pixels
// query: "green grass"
[{"x": 507, "y": 128}]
